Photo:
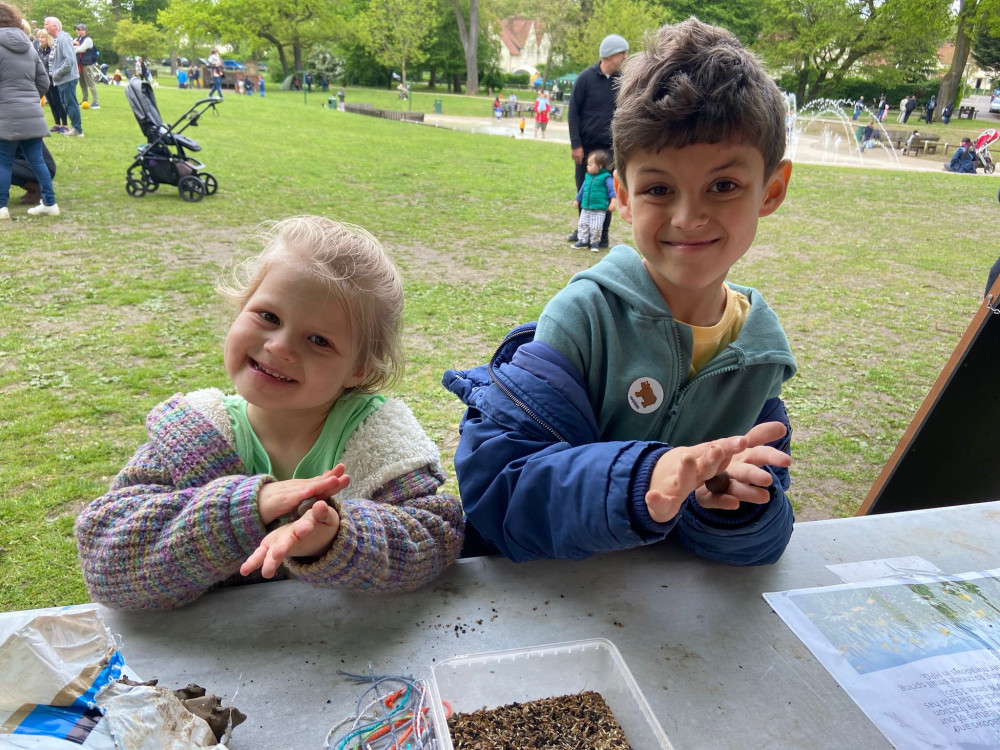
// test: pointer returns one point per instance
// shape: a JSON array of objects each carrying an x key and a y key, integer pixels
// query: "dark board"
[{"x": 950, "y": 453}]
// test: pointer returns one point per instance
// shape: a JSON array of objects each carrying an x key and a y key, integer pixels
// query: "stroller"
[
  {"x": 163, "y": 159},
  {"x": 982, "y": 146}
]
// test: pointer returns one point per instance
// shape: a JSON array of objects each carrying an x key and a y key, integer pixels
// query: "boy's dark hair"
[
  {"x": 695, "y": 83},
  {"x": 602, "y": 157}
]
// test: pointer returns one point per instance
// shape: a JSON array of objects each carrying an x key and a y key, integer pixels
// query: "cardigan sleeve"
[
  {"x": 179, "y": 519},
  {"x": 396, "y": 531},
  {"x": 400, "y": 539}
]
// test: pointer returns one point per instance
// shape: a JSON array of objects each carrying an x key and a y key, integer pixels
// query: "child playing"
[
  {"x": 521, "y": 125},
  {"x": 595, "y": 197},
  {"x": 308, "y": 470},
  {"x": 647, "y": 400}
]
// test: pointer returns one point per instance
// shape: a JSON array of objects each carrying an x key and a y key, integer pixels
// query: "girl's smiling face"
[{"x": 291, "y": 347}]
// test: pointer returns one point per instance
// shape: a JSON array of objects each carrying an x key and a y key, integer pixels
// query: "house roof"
[{"x": 515, "y": 31}]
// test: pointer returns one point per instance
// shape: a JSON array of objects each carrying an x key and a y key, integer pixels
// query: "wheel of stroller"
[
  {"x": 147, "y": 180},
  {"x": 990, "y": 167},
  {"x": 134, "y": 187},
  {"x": 191, "y": 188},
  {"x": 211, "y": 184}
]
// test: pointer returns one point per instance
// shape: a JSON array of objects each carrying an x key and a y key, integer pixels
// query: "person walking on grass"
[
  {"x": 23, "y": 81},
  {"x": 65, "y": 73}
]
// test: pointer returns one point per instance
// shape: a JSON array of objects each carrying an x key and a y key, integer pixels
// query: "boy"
[{"x": 566, "y": 449}]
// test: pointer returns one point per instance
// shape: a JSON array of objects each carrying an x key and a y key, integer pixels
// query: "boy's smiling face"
[{"x": 694, "y": 213}]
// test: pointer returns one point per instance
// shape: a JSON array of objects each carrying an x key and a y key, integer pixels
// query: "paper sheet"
[{"x": 920, "y": 656}]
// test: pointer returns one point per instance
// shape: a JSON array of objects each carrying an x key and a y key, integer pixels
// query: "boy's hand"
[
  {"x": 309, "y": 536},
  {"x": 576, "y": 204},
  {"x": 613, "y": 205},
  {"x": 277, "y": 499},
  {"x": 683, "y": 470}
]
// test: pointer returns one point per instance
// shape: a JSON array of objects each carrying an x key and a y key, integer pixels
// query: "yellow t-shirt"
[{"x": 709, "y": 341}]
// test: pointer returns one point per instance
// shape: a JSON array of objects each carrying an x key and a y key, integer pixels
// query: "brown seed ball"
[{"x": 719, "y": 483}]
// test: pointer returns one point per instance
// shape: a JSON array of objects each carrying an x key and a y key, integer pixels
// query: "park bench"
[
  {"x": 923, "y": 142},
  {"x": 898, "y": 138},
  {"x": 968, "y": 113}
]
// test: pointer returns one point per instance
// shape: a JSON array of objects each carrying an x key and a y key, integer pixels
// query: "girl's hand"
[
  {"x": 277, "y": 499},
  {"x": 309, "y": 536}
]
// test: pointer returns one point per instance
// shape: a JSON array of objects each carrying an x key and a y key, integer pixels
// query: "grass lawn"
[{"x": 109, "y": 309}]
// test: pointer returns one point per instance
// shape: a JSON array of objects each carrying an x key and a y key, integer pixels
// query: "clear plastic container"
[{"x": 498, "y": 678}]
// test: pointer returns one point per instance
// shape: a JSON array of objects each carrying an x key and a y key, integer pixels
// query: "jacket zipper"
[{"x": 524, "y": 407}]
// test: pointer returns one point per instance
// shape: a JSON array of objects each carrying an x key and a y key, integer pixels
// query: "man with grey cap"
[
  {"x": 591, "y": 106},
  {"x": 86, "y": 53}
]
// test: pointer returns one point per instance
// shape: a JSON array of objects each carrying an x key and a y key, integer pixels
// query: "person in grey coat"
[
  {"x": 65, "y": 73},
  {"x": 23, "y": 81}
]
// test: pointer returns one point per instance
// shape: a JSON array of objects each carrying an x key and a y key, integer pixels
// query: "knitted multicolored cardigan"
[{"x": 182, "y": 517}]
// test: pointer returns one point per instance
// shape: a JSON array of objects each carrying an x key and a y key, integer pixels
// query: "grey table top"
[{"x": 718, "y": 667}]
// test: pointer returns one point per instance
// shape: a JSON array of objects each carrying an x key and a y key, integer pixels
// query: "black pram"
[{"x": 163, "y": 159}]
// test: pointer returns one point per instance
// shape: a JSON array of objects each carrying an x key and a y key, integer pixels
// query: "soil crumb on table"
[{"x": 568, "y": 722}]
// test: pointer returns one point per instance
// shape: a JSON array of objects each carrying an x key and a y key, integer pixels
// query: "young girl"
[{"x": 307, "y": 470}]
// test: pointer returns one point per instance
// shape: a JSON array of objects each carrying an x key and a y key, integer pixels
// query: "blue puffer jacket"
[{"x": 537, "y": 481}]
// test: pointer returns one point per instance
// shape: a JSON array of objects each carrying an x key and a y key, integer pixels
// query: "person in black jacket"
[{"x": 591, "y": 107}]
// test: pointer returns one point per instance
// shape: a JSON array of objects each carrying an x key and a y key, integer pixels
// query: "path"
[{"x": 809, "y": 149}]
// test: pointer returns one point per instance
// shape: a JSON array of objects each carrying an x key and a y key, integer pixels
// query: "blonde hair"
[{"x": 359, "y": 274}]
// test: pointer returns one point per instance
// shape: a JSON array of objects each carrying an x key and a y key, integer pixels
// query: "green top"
[{"x": 347, "y": 414}]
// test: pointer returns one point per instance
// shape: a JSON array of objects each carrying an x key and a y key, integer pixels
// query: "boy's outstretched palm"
[{"x": 683, "y": 470}]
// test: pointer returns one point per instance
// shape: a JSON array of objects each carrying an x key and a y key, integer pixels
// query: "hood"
[
  {"x": 15, "y": 40},
  {"x": 621, "y": 272}
]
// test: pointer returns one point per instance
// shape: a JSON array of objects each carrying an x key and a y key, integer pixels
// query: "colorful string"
[{"x": 396, "y": 721}]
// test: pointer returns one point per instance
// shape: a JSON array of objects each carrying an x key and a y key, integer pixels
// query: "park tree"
[
  {"x": 823, "y": 41},
  {"x": 628, "y": 18},
  {"x": 289, "y": 26},
  {"x": 467, "y": 16},
  {"x": 138, "y": 38},
  {"x": 559, "y": 19},
  {"x": 397, "y": 32},
  {"x": 741, "y": 17},
  {"x": 973, "y": 17},
  {"x": 986, "y": 50},
  {"x": 445, "y": 59}
]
